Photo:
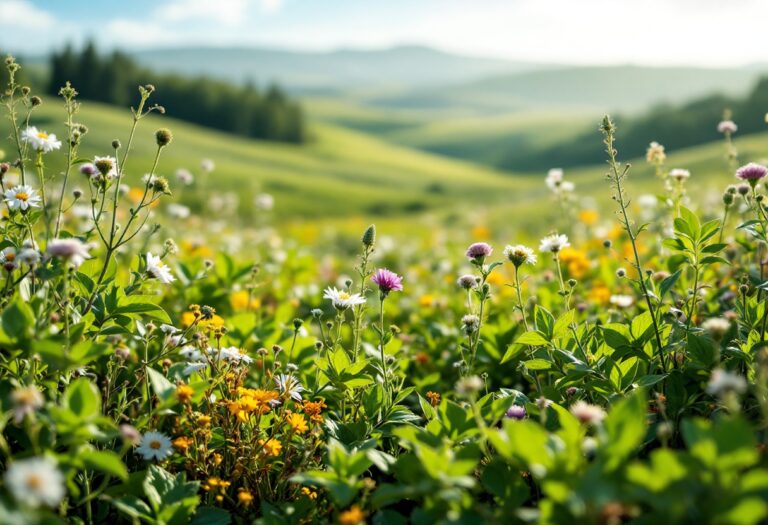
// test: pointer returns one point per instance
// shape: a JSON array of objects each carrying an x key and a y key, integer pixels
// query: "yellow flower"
[
  {"x": 576, "y": 261},
  {"x": 481, "y": 233},
  {"x": 244, "y": 497},
  {"x": 426, "y": 301},
  {"x": 306, "y": 491},
  {"x": 239, "y": 301},
  {"x": 184, "y": 393},
  {"x": 353, "y": 516},
  {"x": 588, "y": 217},
  {"x": 297, "y": 423},
  {"x": 204, "y": 421},
  {"x": 600, "y": 294},
  {"x": 182, "y": 443},
  {"x": 271, "y": 446},
  {"x": 196, "y": 249}
]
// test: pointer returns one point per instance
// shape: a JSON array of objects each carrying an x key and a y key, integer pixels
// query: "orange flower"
[
  {"x": 271, "y": 446},
  {"x": 434, "y": 398},
  {"x": 297, "y": 423},
  {"x": 353, "y": 516},
  {"x": 313, "y": 410},
  {"x": 240, "y": 301},
  {"x": 244, "y": 497},
  {"x": 182, "y": 443},
  {"x": 184, "y": 393},
  {"x": 252, "y": 401},
  {"x": 306, "y": 491},
  {"x": 576, "y": 261},
  {"x": 600, "y": 294}
]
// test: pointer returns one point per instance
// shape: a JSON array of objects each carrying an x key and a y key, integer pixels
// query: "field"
[{"x": 241, "y": 344}]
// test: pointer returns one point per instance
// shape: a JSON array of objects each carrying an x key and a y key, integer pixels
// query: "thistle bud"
[
  {"x": 35, "y": 101},
  {"x": 116, "y": 144},
  {"x": 297, "y": 323},
  {"x": 369, "y": 237},
  {"x": 163, "y": 137}
]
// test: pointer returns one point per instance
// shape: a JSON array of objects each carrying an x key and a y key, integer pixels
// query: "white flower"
[
  {"x": 157, "y": 269},
  {"x": 22, "y": 197},
  {"x": 680, "y": 174},
  {"x": 191, "y": 368},
  {"x": 184, "y": 176},
  {"x": 71, "y": 249},
  {"x": 721, "y": 382},
  {"x": 35, "y": 482},
  {"x": 191, "y": 353},
  {"x": 520, "y": 255},
  {"x": 108, "y": 164},
  {"x": 289, "y": 386},
  {"x": 29, "y": 256},
  {"x": 264, "y": 201},
  {"x": 648, "y": 201},
  {"x": 622, "y": 301},
  {"x": 716, "y": 326},
  {"x": 232, "y": 354},
  {"x": 586, "y": 413},
  {"x": 39, "y": 140},
  {"x": 178, "y": 211},
  {"x": 567, "y": 186},
  {"x": 341, "y": 299},
  {"x": 8, "y": 258},
  {"x": 727, "y": 126},
  {"x": 554, "y": 243},
  {"x": 554, "y": 178},
  {"x": 155, "y": 445},
  {"x": 655, "y": 153},
  {"x": 468, "y": 386},
  {"x": 25, "y": 401},
  {"x": 207, "y": 165}
]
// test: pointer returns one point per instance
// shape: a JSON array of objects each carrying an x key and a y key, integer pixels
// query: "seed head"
[{"x": 163, "y": 137}]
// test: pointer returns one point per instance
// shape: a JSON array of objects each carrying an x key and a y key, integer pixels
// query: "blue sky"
[{"x": 699, "y": 32}]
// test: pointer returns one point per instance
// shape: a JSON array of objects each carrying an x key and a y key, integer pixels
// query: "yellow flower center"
[
  {"x": 42, "y": 135},
  {"x": 10, "y": 257},
  {"x": 155, "y": 445},
  {"x": 34, "y": 482},
  {"x": 22, "y": 196},
  {"x": 344, "y": 296}
]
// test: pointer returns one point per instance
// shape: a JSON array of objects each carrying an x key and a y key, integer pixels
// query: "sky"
[{"x": 653, "y": 32}]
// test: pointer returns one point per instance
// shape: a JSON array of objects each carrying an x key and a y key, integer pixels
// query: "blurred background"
[{"x": 351, "y": 110}]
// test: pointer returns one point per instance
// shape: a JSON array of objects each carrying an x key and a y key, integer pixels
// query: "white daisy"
[
  {"x": 679, "y": 174},
  {"x": 9, "y": 259},
  {"x": 29, "y": 256},
  {"x": 191, "y": 368},
  {"x": 554, "y": 178},
  {"x": 22, "y": 198},
  {"x": 25, "y": 400},
  {"x": 39, "y": 140},
  {"x": 35, "y": 482},
  {"x": 155, "y": 445},
  {"x": 106, "y": 166},
  {"x": 157, "y": 269},
  {"x": 341, "y": 299},
  {"x": 232, "y": 354},
  {"x": 554, "y": 243},
  {"x": 622, "y": 301},
  {"x": 721, "y": 382},
  {"x": 178, "y": 211},
  {"x": 520, "y": 255},
  {"x": 71, "y": 249},
  {"x": 191, "y": 353},
  {"x": 289, "y": 386}
]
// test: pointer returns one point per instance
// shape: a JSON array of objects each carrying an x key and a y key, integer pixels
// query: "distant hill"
[
  {"x": 608, "y": 88},
  {"x": 394, "y": 68}
]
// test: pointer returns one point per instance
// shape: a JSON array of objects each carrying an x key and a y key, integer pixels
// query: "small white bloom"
[
  {"x": 71, "y": 249},
  {"x": 191, "y": 368},
  {"x": 289, "y": 386},
  {"x": 727, "y": 126},
  {"x": 178, "y": 211},
  {"x": 468, "y": 386},
  {"x": 155, "y": 445},
  {"x": 554, "y": 243},
  {"x": 721, "y": 382},
  {"x": 341, "y": 299},
  {"x": 35, "y": 482},
  {"x": 108, "y": 164},
  {"x": 207, "y": 165},
  {"x": 29, "y": 256},
  {"x": 679, "y": 174},
  {"x": 554, "y": 178},
  {"x": 184, "y": 176},
  {"x": 39, "y": 140},
  {"x": 264, "y": 201},
  {"x": 567, "y": 186},
  {"x": 22, "y": 198},
  {"x": 622, "y": 301},
  {"x": 9, "y": 259},
  {"x": 158, "y": 269},
  {"x": 587, "y": 413},
  {"x": 520, "y": 255},
  {"x": 716, "y": 326},
  {"x": 25, "y": 401}
]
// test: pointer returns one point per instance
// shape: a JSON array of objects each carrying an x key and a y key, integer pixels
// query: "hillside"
[{"x": 338, "y": 173}]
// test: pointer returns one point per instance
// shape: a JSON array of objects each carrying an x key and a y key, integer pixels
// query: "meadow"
[{"x": 200, "y": 328}]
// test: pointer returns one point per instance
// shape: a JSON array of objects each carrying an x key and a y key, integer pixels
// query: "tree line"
[
  {"x": 675, "y": 126},
  {"x": 245, "y": 110}
]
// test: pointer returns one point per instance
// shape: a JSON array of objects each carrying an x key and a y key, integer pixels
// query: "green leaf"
[
  {"x": 83, "y": 398},
  {"x": 211, "y": 516},
  {"x": 625, "y": 428},
  {"x": 160, "y": 384},
  {"x": 18, "y": 319},
  {"x": 531, "y": 338},
  {"x": 105, "y": 461},
  {"x": 668, "y": 283},
  {"x": 537, "y": 364}
]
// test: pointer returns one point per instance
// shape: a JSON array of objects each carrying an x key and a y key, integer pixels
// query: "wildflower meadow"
[{"x": 159, "y": 365}]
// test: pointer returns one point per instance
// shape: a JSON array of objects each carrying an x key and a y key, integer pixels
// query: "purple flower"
[
  {"x": 516, "y": 412},
  {"x": 479, "y": 251},
  {"x": 387, "y": 281},
  {"x": 88, "y": 169},
  {"x": 751, "y": 172}
]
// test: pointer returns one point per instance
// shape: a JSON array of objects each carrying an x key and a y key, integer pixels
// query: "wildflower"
[
  {"x": 679, "y": 174},
  {"x": 35, "y": 482},
  {"x": 622, "y": 301},
  {"x": 39, "y": 140},
  {"x": 130, "y": 434},
  {"x": 479, "y": 251},
  {"x": 244, "y": 497},
  {"x": 554, "y": 243},
  {"x": 467, "y": 281},
  {"x": 369, "y": 236},
  {"x": 271, "y": 446},
  {"x": 71, "y": 249},
  {"x": 89, "y": 169},
  {"x": 178, "y": 211},
  {"x": 289, "y": 386},
  {"x": 8, "y": 258},
  {"x": 588, "y": 217},
  {"x": 251, "y": 401},
  {"x": 29, "y": 256},
  {"x": 721, "y": 382},
  {"x": 25, "y": 400},
  {"x": 751, "y": 173},
  {"x": 342, "y": 300},
  {"x": 587, "y": 413},
  {"x": 314, "y": 409},
  {"x": 231, "y": 354},
  {"x": 387, "y": 281},
  {"x": 184, "y": 176},
  {"x": 107, "y": 166},
  {"x": 306, "y": 491},
  {"x": 207, "y": 165},
  {"x": 470, "y": 323},
  {"x": 182, "y": 443},
  {"x": 519, "y": 255},
  {"x": 158, "y": 269},
  {"x": 155, "y": 445},
  {"x": 655, "y": 153},
  {"x": 554, "y": 178},
  {"x": 717, "y": 327},
  {"x": 163, "y": 137},
  {"x": 515, "y": 412},
  {"x": 297, "y": 423},
  {"x": 727, "y": 127},
  {"x": 543, "y": 403},
  {"x": 264, "y": 201},
  {"x": 22, "y": 198},
  {"x": 468, "y": 386},
  {"x": 434, "y": 398},
  {"x": 353, "y": 516},
  {"x": 184, "y": 393}
]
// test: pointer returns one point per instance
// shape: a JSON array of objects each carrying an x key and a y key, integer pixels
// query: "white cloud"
[
  {"x": 23, "y": 14},
  {"x": 271, "y": 6},
  {"x": 227, "y": 12},
  {"x": 128, "y": 32}
]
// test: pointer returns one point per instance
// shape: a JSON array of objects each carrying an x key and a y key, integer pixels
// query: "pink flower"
[
  {"x": 387, "y": 281},
  {"x": 479, "y": 250},
  {"x": 751, "y": 172}
]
